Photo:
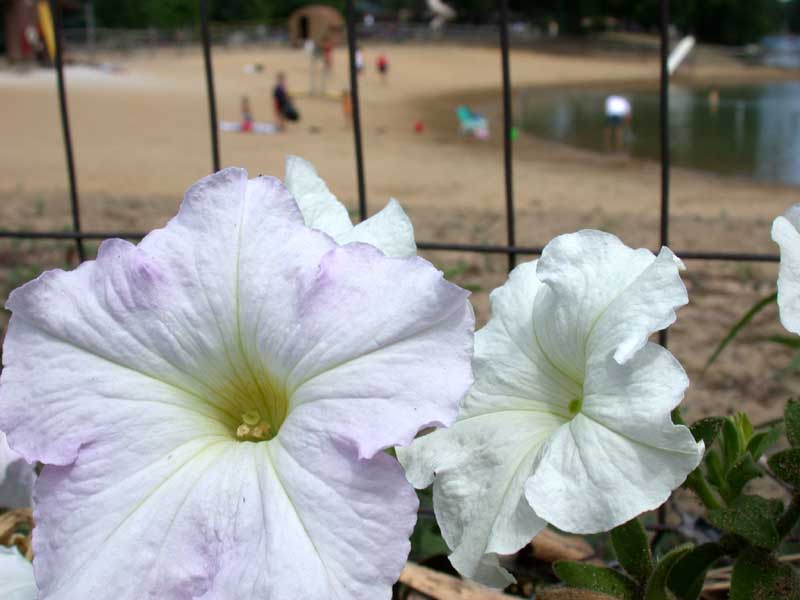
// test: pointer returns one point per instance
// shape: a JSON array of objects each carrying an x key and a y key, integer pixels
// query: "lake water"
[{"x": 753, "y": 131}]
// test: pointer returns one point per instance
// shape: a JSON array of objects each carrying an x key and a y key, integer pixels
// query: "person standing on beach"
[
  {"x": 383, "y": 67},
  {"x": 284, "y": 108},
  {"x": 618, "y": 118}
]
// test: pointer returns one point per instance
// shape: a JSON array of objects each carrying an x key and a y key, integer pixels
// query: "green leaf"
[
  {"x": 763, "y": 441},
  {"x": 633, "y": 549},
  {"x": 598, "y": 579},
  {"x": 741, "y": 472},
  {"x": 657, "y": 584},
  {"x": 687, "y": 576},
  {"x": 707, "y": 430},
  {"x": 791, "y": 418},
  {"x": 731, "y": 443},
  {"x": 739, "y": 325},
  {"x": 751, "y": 517},
  {"x": 716, "y": 473},
  {"x": 790, "y": 341},
  {"x": 758, "y": 575},
  {"x": 786, "y": 466}
]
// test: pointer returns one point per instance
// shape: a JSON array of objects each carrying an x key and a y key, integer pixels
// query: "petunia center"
[
  {"x": 575, "y": 406},
  {"x": 254, "y": 402}
]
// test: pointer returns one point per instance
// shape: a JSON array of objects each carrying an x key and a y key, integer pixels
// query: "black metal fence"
[{"x": 510, "y": 248}]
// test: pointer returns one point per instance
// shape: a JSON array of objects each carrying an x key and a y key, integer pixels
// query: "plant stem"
[
  {"x": 698, "y": 484},
  {"x": 789, "y": 518}
]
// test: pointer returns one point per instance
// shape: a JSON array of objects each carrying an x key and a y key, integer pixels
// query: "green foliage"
[
  {"x": 598, "y": 579},
  {"x": 751, "y": 517},
  {"x": 759, "y": 575},
  {"x": 687, "y": 576},
  {"x": 656, "y": 588},
  {"x": 791, "y": 419},
  {"x": 786, "y": 466},
  {"x": 707, "y": 430},
  {"x": 739, "y": 325},
  {"x": 633, "y": 549}
]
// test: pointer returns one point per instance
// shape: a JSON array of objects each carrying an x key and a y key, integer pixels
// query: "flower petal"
[
  {"x": 389, "y": 230},
  {"x": 298, "y": 516},
  {"x": 321, "y": 210},
  {"x": 595, "y": 283},
  {"x": 16, "y": 576},
  {"x": 786, "y": 234},
  {"x": 16, "y": 478},
  {"x": 511, "y": 370},
  {"x": 620, "y": 456},
  {"x": 481, "y": 464},
  {"x": 418, "y": 337}
]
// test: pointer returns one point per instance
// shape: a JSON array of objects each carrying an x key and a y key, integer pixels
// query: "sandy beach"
[{"x": 142, "y": 136}]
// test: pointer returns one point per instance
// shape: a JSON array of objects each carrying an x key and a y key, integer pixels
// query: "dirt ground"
[{"x": 142, "y": 136}]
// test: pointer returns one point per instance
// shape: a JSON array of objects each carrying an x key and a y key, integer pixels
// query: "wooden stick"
[{"x": 442, "y": 586}]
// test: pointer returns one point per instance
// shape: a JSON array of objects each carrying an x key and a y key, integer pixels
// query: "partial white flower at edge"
[
  {"x": 568, "y": 421},
  {"x": 16, "y": 576},
  {"x": 16, "y": 478},
  {"x": 786, "y": 233},
  {"x": 212, "y": 405},
  {"x": 390, "y": 230}
]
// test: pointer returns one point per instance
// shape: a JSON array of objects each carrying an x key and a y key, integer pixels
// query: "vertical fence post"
[
  {"x": 507, "y": 125},
  {"x": 55, "y": 11},
  {"x": 212, "y": 99},
  {"x": 351, "y": 50},
  {"x": 663, "y": 106}
]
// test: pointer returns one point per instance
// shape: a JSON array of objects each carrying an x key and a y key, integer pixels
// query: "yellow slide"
[{"x": 46, "y": 24}]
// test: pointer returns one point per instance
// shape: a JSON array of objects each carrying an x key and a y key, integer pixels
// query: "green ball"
[{"x": 514, "y": 134}]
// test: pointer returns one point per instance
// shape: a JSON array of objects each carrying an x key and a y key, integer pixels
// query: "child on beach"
[
  {"x": 247, "y": 115},
  {"x": 284, "y": 107},
  {"x": 383, "y": 66}
]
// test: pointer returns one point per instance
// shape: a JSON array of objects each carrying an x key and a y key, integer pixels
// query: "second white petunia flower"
[{"x": 568, "y": 421}]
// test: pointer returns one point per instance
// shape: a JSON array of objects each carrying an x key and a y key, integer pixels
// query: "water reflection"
[{"x": 751, "y": 130}]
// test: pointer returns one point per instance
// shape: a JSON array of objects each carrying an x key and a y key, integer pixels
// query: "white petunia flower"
[
  {"x": 786, "y": 233},
  {"x": 568, "y": 421},
  {"x": 389, "y": 230},
  {"x": 16, "y": 576},
  {"x": 213, "y": 403},
  {"x": 16, "y": 478}
]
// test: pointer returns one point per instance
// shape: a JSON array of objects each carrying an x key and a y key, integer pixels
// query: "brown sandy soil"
[{"x": 142, "y": 137}]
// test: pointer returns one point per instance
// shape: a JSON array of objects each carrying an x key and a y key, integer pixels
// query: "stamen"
[
  {"x": 575, "y": 406},
  {"x": 253, "y": 428}
]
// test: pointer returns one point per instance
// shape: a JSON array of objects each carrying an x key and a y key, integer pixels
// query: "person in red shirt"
[{"x": 383, "y": 66}]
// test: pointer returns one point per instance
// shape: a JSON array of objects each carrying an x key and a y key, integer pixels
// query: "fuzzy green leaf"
[
  {"x": 716, "y": 473},
  {"x": 731, "y": 443},
  {"x": 763, "y": 441},
  {"x": 687, "y": 576},
  {"x": 741, "y": 472},
  {"x": 707, "y": 430},
  {"x": 598, "y": 579},
  {"x": 751, "y": 517},
  {"x": 758, "y": 575},
  {"x": 657, "y": 584},
  {"x": 791, "y": 418},
  {"x": 633, "y": 549},
  {"x": 786, "y": 466}
]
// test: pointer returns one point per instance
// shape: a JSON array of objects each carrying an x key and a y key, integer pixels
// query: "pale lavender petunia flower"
[
  {"x": 568, "y": 421},
  {"x": 213, "y": 405}
]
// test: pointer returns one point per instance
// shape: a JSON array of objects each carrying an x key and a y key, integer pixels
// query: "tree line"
[{"x": 712, "y": 21}]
